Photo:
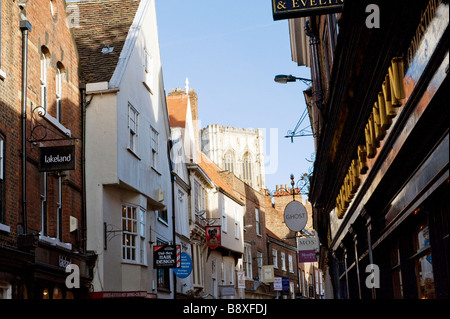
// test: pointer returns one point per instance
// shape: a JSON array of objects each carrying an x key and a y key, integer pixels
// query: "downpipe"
[{"x": 25, "y": 27}]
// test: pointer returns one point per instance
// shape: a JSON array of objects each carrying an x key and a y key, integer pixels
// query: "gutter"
[
  {"x": 172, "y": 180},
  {"x": 84, "y": 105},
  {"x": 25, "y": 27},
  {"x": 316, "y": 76}
]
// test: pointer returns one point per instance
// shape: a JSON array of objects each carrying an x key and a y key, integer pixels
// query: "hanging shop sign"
[
  {"x": 167, "y": 256},
  {"x": 277, "y": 284},
  {"x": 308, "y": 243},
  {"x": 295, "y": 216},
  {"x": 307, "y": 256},
  {"x": 241, "y": 279},
  {"x": 213, "y": 236},
  {"x": 288, "y": 9},
  {"x": 281, "y": 283},
  {"x": 268, "y": 273},
  {"x": 384, "y": 109},
  {"x": 185, "y": 268},
  {"x": 57, "y": 158},
  {"x": 226, "y": 290}
]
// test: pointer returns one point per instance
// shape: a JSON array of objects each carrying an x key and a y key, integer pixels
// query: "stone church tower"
[{"x": 238, "y": 150}]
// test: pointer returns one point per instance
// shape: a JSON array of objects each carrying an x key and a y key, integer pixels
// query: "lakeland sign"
[
  {"x": 287, "y": 9},
  {"x": 57, "y": 158}
]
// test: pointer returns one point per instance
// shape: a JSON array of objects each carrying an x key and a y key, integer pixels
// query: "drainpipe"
[
  {"x": 25, "y": 27},
  {"x": 315, "y": 67},
  {"x": 172, "y": 180},
  {"x": 82, "y": 87}
]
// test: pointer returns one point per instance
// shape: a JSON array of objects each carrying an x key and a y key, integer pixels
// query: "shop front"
[{"x": 389, "y": 230}]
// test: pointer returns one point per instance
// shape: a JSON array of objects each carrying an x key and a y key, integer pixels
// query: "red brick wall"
[
  {"x": 10, "y": 117},
  {"x": 252, "y": 199},
  {"x": 275, "y": 211},
  {"x": 52, "y": 32}
]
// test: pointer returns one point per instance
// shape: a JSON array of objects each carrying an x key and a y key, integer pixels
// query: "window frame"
[
  {"x": 283, "y": 261},
  {"x": 247, "y": 263},
  {"x": 133, "y": 129},
  {"x": 422, "y": 250},
  {"x": 137, "y": 232},
  {"x": 58, "y": 93},
  {"x": 291, "y": 263},
  {"x": 258, "y": 221},
  {"x": 142, "y": 222},
  {"x": 154, "y": 147},
  {"x": 275, "y": 258},
  {"x": 259, "y": 264},
  {"x": 44, "y": 205},
  {"x": 163, "y": 216},
  {"x": 147, "y": 66},
  {"x": 2, "y": 177},
  {"x": 44, "y": 79},
  {"x": 236, "y": 223},
  {"x": 224, "y": 216},
  {"x": 59, "y": 210}
]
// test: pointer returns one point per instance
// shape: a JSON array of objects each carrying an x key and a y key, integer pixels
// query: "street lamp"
[{"x": 282, "y": 78}]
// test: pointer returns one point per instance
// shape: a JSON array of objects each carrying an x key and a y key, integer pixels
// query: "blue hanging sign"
[
  {"x": 285, "y": 283},
  {"x": 186, "y": 266}
]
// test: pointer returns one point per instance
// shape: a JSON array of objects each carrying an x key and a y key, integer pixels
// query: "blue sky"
[{"x": 230, "y": 51}]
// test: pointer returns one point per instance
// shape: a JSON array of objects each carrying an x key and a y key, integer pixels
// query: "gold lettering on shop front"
[
  {"x": 380, "y": 119},
  {"x": 281, "y": 5}
]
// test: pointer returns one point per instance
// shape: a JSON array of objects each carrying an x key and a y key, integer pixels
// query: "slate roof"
[{"x": 104, "y": 26}]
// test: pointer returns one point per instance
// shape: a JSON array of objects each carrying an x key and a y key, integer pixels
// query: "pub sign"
[{"x": 213, "y": 236}]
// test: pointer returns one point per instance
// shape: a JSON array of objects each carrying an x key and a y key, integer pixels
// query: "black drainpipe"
[
  {"x": 315, "y": 67},
  {"x": 25, "y": 27},
  {"x": 83, "y": 165},
  {"x": 173, "y": 179}
]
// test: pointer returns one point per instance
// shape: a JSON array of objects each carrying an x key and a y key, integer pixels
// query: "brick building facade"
[
  {"x": 41, "y": 213},
  {"x": 255, "y": 239}
]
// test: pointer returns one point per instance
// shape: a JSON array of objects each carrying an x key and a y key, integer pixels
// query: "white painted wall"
[{"x": 115, "y": 175}]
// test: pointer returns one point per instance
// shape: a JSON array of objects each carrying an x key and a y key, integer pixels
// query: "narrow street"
[{"x": 226, "y": 157}]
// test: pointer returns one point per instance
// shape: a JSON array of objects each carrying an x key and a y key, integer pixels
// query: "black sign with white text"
[
  {"x": 57, "y": 158},
  {"x": 167, "y": 256}
]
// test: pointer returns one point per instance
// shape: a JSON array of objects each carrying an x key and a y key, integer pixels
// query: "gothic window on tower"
[
  {"x": 229, "y": 161},
  {"x": 247, "y": 169}
]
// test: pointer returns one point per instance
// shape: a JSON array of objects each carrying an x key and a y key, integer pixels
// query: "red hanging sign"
[{"x": 213, "y": 236}]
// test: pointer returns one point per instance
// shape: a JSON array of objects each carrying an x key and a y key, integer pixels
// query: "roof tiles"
[{"x": 102, "y": 31}]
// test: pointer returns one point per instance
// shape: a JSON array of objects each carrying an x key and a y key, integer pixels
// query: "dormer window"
[{"x": 148, "y": 61}]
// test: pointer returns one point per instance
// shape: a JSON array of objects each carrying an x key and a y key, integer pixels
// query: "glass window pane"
[{"x": 425, "y": 279}]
